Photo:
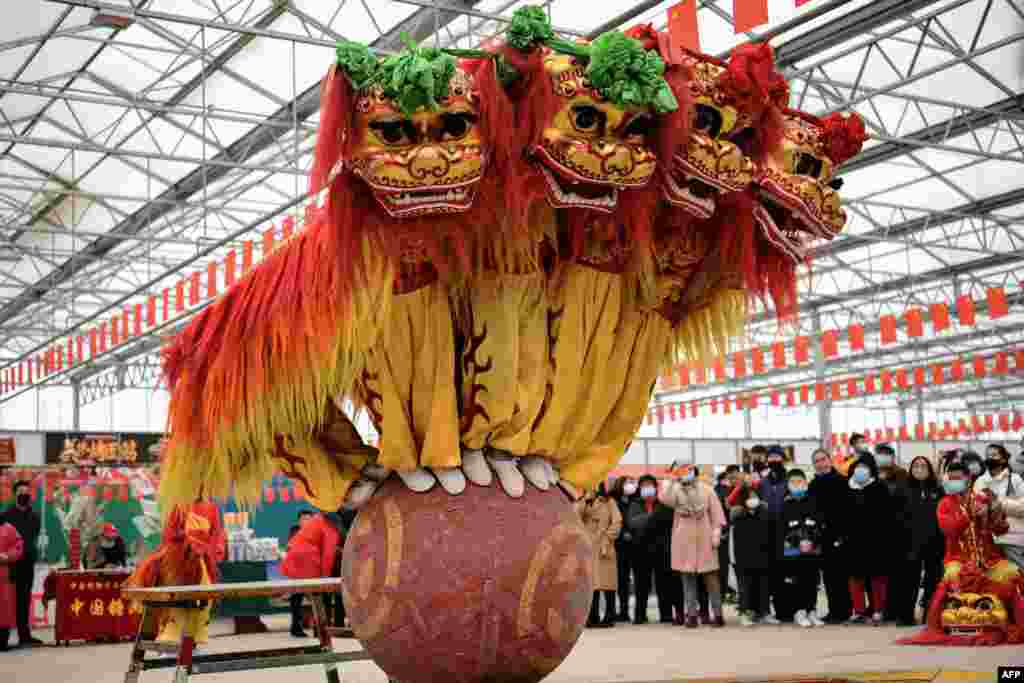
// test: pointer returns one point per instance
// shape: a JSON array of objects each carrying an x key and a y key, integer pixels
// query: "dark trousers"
[
  {"x": 595, "y": 608},
  {"x": 723, "y": 565},
  {"x": 23, "y": 599},
  {"x": 654, "y": 565},
  {"x": 754, "y": 590},
  {"x": 800, "y": 580},
  {"x": 903, "y": 601},
  {"x": 837, "y": 588},
  {"x": 334, "y": 608},
  {"x": 624, "y": 561},
  {"x": 295, "y": 602}
]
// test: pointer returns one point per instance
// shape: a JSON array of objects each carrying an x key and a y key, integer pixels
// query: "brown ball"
[{"x": 468, "y": 588}]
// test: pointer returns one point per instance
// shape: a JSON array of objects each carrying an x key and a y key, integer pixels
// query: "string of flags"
[{"x": 684, "y": 31}]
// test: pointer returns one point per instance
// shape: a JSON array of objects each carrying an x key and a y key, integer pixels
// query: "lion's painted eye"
[
  {"x": 709, "y": 120},
  {"x": 587, "y": 118},
  {"x": 638, "y": 126},
  {"x": 456, "y": 125},
  {"x": 985, "y": 605},
  {"x": 394, "y": 131},
  {"x": 807, "y": 165}
]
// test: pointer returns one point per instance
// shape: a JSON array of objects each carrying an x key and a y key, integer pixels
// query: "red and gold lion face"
[
  {"x": 969, "y": 614},
  {"x": 428, "y": 163},
  {"x": 798, "y": 190},
  {"x": 591, "y": 148},
  {"x": 712, "y": 164}
]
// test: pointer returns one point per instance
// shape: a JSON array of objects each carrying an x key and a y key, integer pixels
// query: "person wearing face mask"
[
  {"x": 800, "y": 552},
  {"x": 624, "y": 490},
  {"x": 650, "y": 526},
  {"x": 107, "y": 551},
  {"x": 696, "y": 534},
  {"x": 974, "y": 464},
  {"x": 1007, "y": 487},
  {"x": 772, "y": 488},
  {"x": 828, "y": 490},
  {"x": 28, "y": 525},
  {"x": 898, "y": 585},
  {"x": 865, "y": 540},
  {"x": 926, "y": 543},
  {"x": 601, "y": 517},
  {"x": 753, "y": 551},
  {"x": 726, "y": 481}
]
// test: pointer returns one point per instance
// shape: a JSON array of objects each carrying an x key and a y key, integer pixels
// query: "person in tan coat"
[
  {"x": 602, "y": 519},
  {"x": 696, "y": 533}
]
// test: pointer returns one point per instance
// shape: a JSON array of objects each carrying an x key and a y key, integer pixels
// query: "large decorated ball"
[{"x": 467, "y": 588}]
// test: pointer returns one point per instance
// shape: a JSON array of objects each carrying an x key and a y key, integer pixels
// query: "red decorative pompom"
[
  {"x": 751, "y": 74},
  {"x": 845, "y": 135},
  {"x": 646, "y": 34}
]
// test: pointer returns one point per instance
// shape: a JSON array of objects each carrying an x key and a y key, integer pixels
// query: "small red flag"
[
  {"x": 1020, "y": 359},
  {"x": 1002, "y": 364},
  {"x": 779, "y": 355},
  {"x": 683, "y": 371},
  {"x": 211, "y": 279},
  {"x": 193, "y": 291},
  {"x": 672, "y": 412},
  {"x": 749, "y": 14},
  {"x": 739, "y": 364},
  {"x": 790, "y": 398},
  {"x": 719, "y": 367},
  {"x": 115, "y": 332},
  {"x": 915, "y": 322},
  {"x": 757, "y": 359},
  {"x": 869, "y": 384},
  {"x": 682, "y": 27},
  {"x": 980, "y": 367},
  {"x": 965, "y": 310},
  {"x": 919, "y": 432},
  {"x": 1004, "y": 423},
  {"x": 693, "y": 409},
  {"x": 1018, "y": 422},
  {"x": 997, "y": 305},
  {"x": 919, "y": 376},
  {"x": 775, "y": 399},
  {"x": 851, "y": 387},
  {"x": 886, "y": 376},
  {"x": 856, "y": 332},
  {"x": 714, "y": 406},
  {"x": 887, "y": 327},
  {"x": 932, "y": 429},
  {"x": 286, "y": 494},
  {"x": 938, "y": 376},
  {"x": 179, "y": 296},
  {"x": 151, "y": 312},
  {"x": 805, "y": 393},
  {"x": 956, "y": 370},
  {"x": 904, "y": 434},
  {"x": 819, "y": 392},
  {"x": 940, "y": 317},
  {"x": 229, "y": 268},
  {"x": 138, "y": 319},
  {"x": 727, "y": 405},
  {"x": 902, "y": 381},
  {"x": 830, "y": 343},
  {"x": 753, "y": 400},
  {"x": 989, "y": 424},
  {"x": 837, "y": 391},
  {"x": 103, "y": 337}
]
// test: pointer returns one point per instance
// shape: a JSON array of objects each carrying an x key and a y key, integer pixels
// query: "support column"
[
  {"x": 748, "y": 423},
  {"x": 825, "y": 406},
  {"x": 76, "y": 406}
]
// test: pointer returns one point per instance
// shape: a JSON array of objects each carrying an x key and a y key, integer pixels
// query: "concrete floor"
[{"x": 626, "y": 653}]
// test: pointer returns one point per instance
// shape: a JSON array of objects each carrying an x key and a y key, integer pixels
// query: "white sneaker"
[
  {"x": 770, "y": 620},
  {"x": 801, "y": 619},
  {"x": 877, "y": 619},
  {"x": 746, "y": 620},
  {"x": 815, "y": 619}
]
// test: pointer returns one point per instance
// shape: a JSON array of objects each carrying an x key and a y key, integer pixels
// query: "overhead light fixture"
[{"x": 111, "y": 19}]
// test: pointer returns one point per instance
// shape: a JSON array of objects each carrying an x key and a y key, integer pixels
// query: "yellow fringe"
[{"x": 706, "y": 333}]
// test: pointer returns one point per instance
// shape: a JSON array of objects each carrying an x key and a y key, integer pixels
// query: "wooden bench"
[{"x": 186, "y": 663}]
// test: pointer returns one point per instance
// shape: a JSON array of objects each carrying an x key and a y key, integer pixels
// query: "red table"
[{"x": 90, "y": 606}]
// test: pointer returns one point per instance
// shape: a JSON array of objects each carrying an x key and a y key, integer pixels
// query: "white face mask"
[
  {"x": 629, "y": 488},
  {"x": 648, "y": 492},
  {"x": 753, "y": 502}
]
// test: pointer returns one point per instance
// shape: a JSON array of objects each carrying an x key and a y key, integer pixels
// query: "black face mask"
[
  {"x": 24, "y": 499},
  {"x": 777, "y": 469},
  {"x": 995, "y": 465}
]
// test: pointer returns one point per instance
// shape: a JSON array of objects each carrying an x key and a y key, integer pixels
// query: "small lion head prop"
[{"x": 799, "y": 198}]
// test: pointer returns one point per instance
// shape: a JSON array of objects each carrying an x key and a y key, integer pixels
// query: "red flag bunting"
[
  {"x": 837, "y": 391},
  {"x": 115, "y": 332},
  {"x": 779, "y": 355},
  {"x": 856, "y": 332},
  {"x": 682, "y": 28},
  {"x": 997, "y": 304},
  {"x": 757, "y": 359},
  {"x": 179, "y": 296},
  {"x": 919, "y": 432},
  {"x": 851, "y": 387},
  {"x": 904, "y": 434},
  {"x": 193, "y": 290},
  {"x": 719, "y": 367},
  {"x": 886, "y": 377},
  {"x": 151, "y": 312},
  {"x": 940, "y": 317},
  {"x": 775, "y": 398},
  {"x": 1018, "y": 421},
  {"x": 890, "y": 434},
  {"x": 830, "y": 343},
  {"x": 672, "y": 412},
  {"x": 753, "y": 401},
  {"x": 980, "y": 367},
  {"x": 749, "y": 14},
  {"x": 693, "y": 409},
  {"x": 138, "y": 319},
  {"x": 801, "y": 352},
  {"x": 714, "y": 406},
  {"x": 915, "y": 322},
  {"x": 727, "y": 406},
  {"x": 887, "y": 328},
  {"x": 805, "y": 393},
  {"x": 1020, "y": 359},
  {"x": 790, "y": 398},
  {"x": 1002, "y": 364},
  {"x": 965, "y": 310},
  {"x": 902, "y": 381},
  {"x": 819, "y": 392},
  {"x": 919, "y": 377},
  {"x": 285, "y": 494},
  {"x": 739, "y": 364},
  {"x": 1004, "y": 423},
  {"x": 989, "y": 424},
  {"x": 938, "y": 376},
  {"x": 869, "y": 384},
  {"x": 956, "y": 370},
  {"x": 268, "y": 494},
  {"x": 103, "y": 337},
  {"x": 684, "y": 374}
]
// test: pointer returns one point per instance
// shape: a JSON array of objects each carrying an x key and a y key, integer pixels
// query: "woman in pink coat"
[
  {"x": 11, "y": 548},
  {"x": 696, "y": 534}
]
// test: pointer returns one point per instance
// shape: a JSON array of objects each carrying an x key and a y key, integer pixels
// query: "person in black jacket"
[
  {"x": 898, "y": 586},
  {"x": 829, "y": 490},
  {"x": 866, "y": 540},
  {"x": 28, "y": 524},
  {"x": 926, "y": 541},
  {"x": 650, "y": 526},
  {"x": 726, "y": 482},
  {"x": 754, "y": 555},
  {"x": 802, "y": 532},
  {"x": 623, "y": 491}
]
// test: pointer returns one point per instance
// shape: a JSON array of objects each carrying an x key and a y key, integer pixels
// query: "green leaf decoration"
[
  {"x": 358, "y": 63},
  {"x": 416, "y": 78},
  {"x": 529, "y": 27},
  {"x": 628, "y": 75}
]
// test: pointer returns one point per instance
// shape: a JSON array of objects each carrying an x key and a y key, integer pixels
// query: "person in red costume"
[
  {"x": 974, "y": 567},
  {"x": 314, "y": 552},
  {"x": 193, "y": 544}
]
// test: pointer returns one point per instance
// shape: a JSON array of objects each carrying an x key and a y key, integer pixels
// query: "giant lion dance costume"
[{"x": 511, "y": 245}]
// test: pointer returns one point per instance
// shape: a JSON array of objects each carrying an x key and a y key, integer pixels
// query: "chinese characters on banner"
[{"x": 81, "y": 448}]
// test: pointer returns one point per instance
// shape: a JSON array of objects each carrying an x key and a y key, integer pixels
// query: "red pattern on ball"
[{"x": 473, "y": 588}]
